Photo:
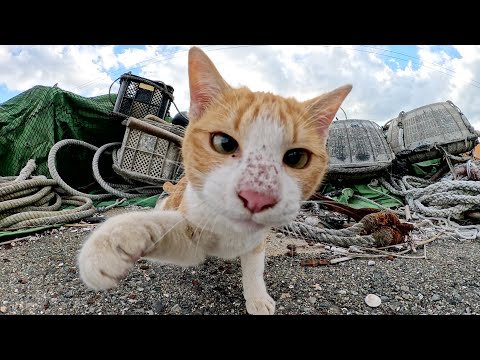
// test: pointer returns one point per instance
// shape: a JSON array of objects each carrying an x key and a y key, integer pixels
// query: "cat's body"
[{"x": 249, "y": 159}]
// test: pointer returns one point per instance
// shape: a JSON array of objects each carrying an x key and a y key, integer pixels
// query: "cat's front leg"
[
  {"x": 111, "y": 251},
  {"x": 258, "y": 301}
]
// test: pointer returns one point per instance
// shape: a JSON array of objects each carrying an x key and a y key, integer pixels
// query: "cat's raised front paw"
[
  {"x": 111, "y": 252},
  {"x": 261, "y": 305}
]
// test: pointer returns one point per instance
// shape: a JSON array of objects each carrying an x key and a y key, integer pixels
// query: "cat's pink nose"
[{"x": 255, "y": 201}]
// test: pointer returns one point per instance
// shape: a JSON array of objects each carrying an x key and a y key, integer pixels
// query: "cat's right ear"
[{"x": 205, "y": 81}]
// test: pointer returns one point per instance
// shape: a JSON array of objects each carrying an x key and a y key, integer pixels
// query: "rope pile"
[
  {"x": 450, "y": 198},
  {"x": 25, "y": 201},
  {"x": 343, "y": 237},
  {"x": 119, "y": 190},
  {"x": 440, "y": 202},
  {"x": 435, "y": 204}
]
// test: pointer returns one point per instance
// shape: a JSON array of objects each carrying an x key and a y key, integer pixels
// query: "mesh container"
[
  {"x": 139, "y": 97},
  {"x": 150, "y": 151},
  {"x": 357, "y": 150},
  {"x": 414, "y": 135}
]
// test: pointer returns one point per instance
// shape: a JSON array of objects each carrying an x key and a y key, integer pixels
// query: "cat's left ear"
[
  {"x": 206, "y": 83},
  {"x": 324, "y": 107}
]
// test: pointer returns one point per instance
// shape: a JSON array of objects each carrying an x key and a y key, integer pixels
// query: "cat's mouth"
[{"x": 249, "y": 224}]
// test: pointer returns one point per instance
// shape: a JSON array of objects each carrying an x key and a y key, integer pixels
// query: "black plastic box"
[{"x": 138, "y": 97}]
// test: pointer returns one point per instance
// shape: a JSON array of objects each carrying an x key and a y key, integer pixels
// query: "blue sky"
[{"x": 386, "y": 78}]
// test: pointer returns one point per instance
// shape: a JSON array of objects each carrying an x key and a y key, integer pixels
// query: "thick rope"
[
  {"x": 27, "y": 170},
  {"x": 113, "y": 189},
  {"x": 15, "y": 203},
  {"x": 24, "y": 216},
  {"x": 446, "y": 199},
  {"x": 343, "y": 237},
  {"x": 54, "y": 173},
  {"x": 25, "y": 202},
  {"x": 440, "y": 201},
  {"x": 109, "y": 187}
]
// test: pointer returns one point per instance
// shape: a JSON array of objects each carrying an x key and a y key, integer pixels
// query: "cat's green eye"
[
  {"x": 223, "y": 143},
  {"x": 296, "y": 158}
]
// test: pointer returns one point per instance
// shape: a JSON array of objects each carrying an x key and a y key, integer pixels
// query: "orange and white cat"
[{"x": 249, "y": 158}]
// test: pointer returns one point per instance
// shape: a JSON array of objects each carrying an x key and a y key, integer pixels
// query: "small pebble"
[
  {"x": 372, "y": 300},
  {"x": 311, "y": 220},
  {"x": 68, "y": 294},
  {"x": 371, "y": 263},
  {"x": 420, "y": 296},
  {"x": 176, "y": 309},
  {"x": 404, "y": 288},
  {"x": 342, "y": 292},
  {"x": 435, "y": 297},
  {"x": 159, "y": 307},
  {"x": 312, "y": 300},
  {"x": 3, "y": 309}
]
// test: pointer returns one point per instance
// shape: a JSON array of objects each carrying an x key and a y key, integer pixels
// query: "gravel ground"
[{"x": 39, "y": 276}]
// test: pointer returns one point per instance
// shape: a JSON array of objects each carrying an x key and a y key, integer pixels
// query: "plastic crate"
[
  {"x": 148, "y": 153},
  {"x": 357, "y": 150},
  {"x": 415, "y": 135},
  {"x": 139, "y": 97}
]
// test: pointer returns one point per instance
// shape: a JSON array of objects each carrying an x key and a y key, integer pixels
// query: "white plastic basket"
[{"x": 150, "y": 151}]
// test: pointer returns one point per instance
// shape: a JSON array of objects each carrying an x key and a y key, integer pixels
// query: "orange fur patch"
[
  {"x": 233, "y": 113},
  {"x": 175, "y": 194}
]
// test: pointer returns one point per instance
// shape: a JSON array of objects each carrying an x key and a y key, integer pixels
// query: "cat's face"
[{"x": 253, "y": 156}]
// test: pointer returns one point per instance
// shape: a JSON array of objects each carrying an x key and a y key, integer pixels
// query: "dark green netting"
[
  {"x": 33, "y": 121},
  {"x": 426, "y": 168}
]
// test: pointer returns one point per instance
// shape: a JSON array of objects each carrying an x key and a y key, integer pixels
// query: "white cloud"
[
  {"x": 379, "y": 92},
  {"x": 72, "y": 67}
]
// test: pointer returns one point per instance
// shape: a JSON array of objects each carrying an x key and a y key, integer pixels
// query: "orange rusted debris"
[
  {"x": 314, "y": 262},
  {"x": 385, "y": 227},
  {"x": 476, "y": 152}
]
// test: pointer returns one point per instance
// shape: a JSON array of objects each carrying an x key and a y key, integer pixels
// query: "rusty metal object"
[
  {"x": 386, "y": 228},
  {"x": 355, "y": 214},
  {"x": 440, "y": 172},
  {"x": 314, "y": 262}
]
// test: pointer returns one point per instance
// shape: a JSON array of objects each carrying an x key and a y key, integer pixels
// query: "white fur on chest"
[{"x": 213, "y": 233}]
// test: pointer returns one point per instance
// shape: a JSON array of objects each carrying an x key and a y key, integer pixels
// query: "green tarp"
[
  {"x": 33, "y": 121},
  {"x": 379, "y": 194}
]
